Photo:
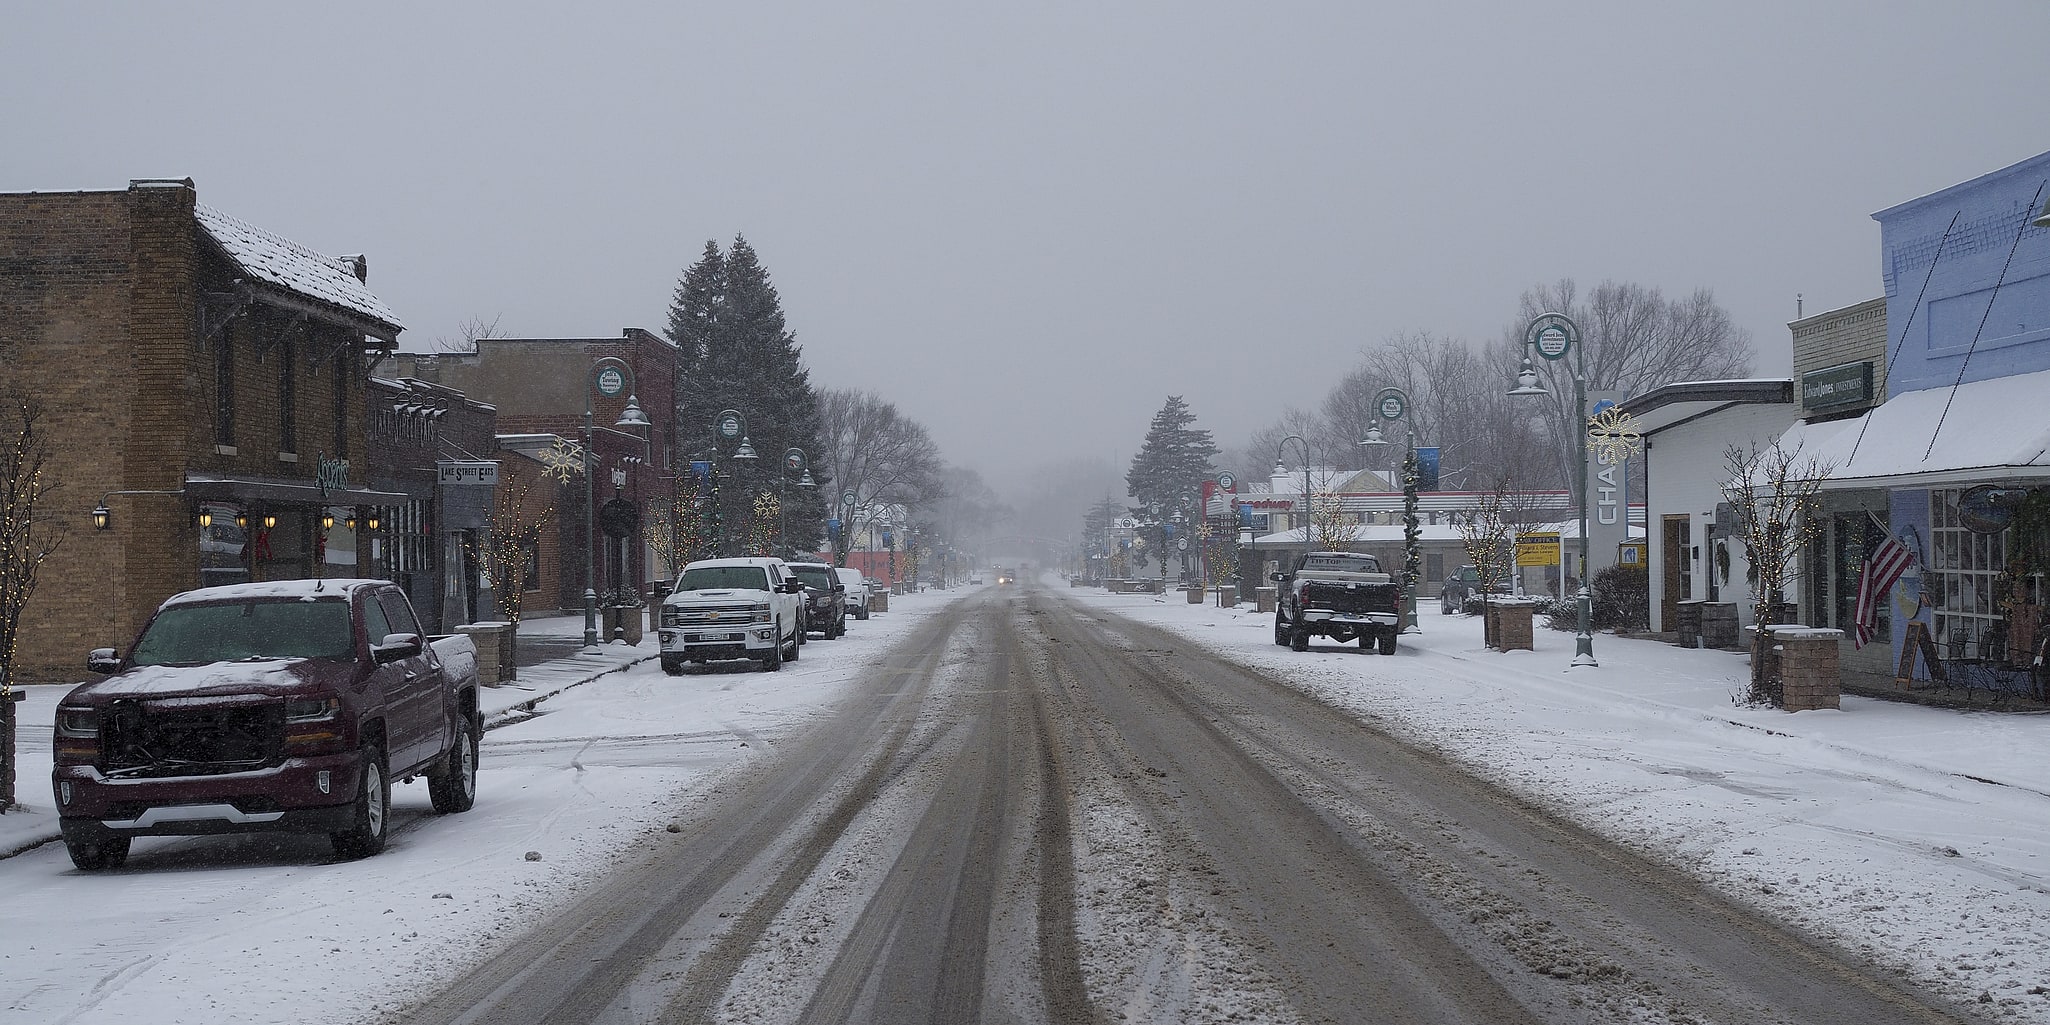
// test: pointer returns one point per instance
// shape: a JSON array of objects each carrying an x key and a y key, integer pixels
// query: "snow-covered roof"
[
  {"x": 286, "y": 264},
  {"x": 1977, "y": 432}
]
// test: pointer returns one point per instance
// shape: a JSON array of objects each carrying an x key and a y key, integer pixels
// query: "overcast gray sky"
[{"x": 1029, "y": 223}]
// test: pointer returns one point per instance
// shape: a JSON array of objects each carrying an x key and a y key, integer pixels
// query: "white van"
[{"x": 857, "y": 591}]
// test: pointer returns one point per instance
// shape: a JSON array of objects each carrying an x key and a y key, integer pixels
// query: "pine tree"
[
  {"x": 740, "y": 354},
  {"x": 1171, "y": 465}
]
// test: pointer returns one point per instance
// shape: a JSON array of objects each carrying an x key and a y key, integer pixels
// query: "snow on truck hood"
[
  {"x": 728, "y": 595},
  {"x": 270, "y": 676}
]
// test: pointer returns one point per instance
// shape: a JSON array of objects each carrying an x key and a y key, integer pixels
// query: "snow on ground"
[
  {"x": 270, "y": 928},
  {"x": 1915, "y": 836}
]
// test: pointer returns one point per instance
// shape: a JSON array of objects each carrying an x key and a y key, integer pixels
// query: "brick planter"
[
  {"x": 1512, "y": 625},
  {"x": 1264, "y": 598},
  {"x": 1808, "y": 667},
  {"x": 1227, "y": 595},
  {"x": 496, "y": 651},
  {"x": 1195, "y": 595}
]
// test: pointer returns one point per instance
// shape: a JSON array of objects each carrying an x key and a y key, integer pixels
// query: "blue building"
[{"x": 1956, "y": 460}]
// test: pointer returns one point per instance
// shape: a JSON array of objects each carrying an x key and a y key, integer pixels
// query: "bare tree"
[
  {"x": 1331, "y": 530},
  {"x": 1774, "y": 492},
  {"x": 882, "y": 456},
  {"x": 468, "y": 333},
  {"x": 1488, "y": 536},
  {"x": 1634, "y": 340},
  {"x": 25, "y": 541},
  {"x": 511, "y": 540}
]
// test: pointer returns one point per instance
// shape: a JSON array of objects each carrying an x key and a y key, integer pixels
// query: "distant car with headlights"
[
  {"x": 1007, "y": 576},
  {"x": 733, "y": 608},
  {"x": 282, "y": 706},
  {"x": 825, "y": 598}
]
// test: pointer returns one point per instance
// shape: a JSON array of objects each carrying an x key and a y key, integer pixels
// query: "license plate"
[{"x": 713, "y": 638}]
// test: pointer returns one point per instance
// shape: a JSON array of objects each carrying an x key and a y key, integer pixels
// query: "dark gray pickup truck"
[
  {"x": 1341, "y": 595},
  {"x": 274, "y": 706}
]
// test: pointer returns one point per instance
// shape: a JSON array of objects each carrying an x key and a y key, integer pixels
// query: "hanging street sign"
[
  {"x": 1552, "y": 335},
  {"x": 793, "y": 460},
  {"x": 610, "y": 381},
  {"x": 728, "y": 424},
  {"x": 1225, "y": 481},
  {"x": 1391, "y": 404}
]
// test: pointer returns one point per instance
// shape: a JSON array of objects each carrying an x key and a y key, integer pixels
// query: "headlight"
[
  {"x": 761, "y": 613},
  {"x": 312, "y": 709},
  {"x": 78, "y": 722}
]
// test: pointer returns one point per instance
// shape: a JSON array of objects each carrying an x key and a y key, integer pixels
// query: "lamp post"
[
  {"x": 610, "y": 377},
  {"x": 1392, "y": 405},
  {"x": 727, "y": 426},
  {"x": 1554, "y": 335},
  {"x": 1279, "y": 470},
  {"x": 793, "y": 462}
]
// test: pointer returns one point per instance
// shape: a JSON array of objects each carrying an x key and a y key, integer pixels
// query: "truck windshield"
[
  {"x": 198, "y": 634},
  {"x": 721, "y": 578},
  {"x": 816, "y": 576}
]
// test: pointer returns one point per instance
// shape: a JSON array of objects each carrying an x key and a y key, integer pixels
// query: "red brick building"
[
  {"x": 540, "y": 387},
  {"x": 202, "y": 380}
]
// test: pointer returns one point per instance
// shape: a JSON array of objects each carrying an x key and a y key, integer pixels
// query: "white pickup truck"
[{"x": 733, "y": 608}]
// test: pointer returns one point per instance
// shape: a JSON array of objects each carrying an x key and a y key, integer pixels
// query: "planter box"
[
  {"x": 1264, "y": 598},
  {"x": 1719, "y": 625},
  {"x": 1809, "y": 676},
  {"x": 1195, "y": 595},
  {"x": 1687, "y": 625},
  {"x": 1227, "y": 596}
]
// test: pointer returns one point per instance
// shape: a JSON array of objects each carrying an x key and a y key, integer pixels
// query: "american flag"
[{"x": 1882, "y": 570}]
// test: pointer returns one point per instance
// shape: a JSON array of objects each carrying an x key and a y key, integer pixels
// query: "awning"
[
  {"x": 1982, "y": 432},
  {"x": 280, "y": 490}
]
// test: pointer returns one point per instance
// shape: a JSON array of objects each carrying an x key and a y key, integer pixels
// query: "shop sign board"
[
  {"x": 1844, "y": 385},
  {"x": 1537, "y": 548},
  {"x": 466, "y": 471}
]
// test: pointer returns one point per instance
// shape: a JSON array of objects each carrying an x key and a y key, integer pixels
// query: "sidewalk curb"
[{"x": 524, "y": 710}]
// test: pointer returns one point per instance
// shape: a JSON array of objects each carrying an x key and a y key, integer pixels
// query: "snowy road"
[
  {"x": 1039, "y": 813},
  {"x": 877, "y": 833}
]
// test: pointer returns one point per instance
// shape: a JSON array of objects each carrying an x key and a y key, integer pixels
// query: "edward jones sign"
[{"x": 1837, "y": 386}]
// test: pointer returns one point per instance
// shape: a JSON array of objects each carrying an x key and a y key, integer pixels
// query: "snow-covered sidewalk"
[{"x": 1916, "y": 836}]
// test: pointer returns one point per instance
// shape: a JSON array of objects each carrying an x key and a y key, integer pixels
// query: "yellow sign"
[
  {"x": 1537, "y": 548},
  {"x": 1632, "y": 553}
]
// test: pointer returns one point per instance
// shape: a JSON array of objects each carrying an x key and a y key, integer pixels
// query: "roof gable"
[{"x": 283, "y": 263}]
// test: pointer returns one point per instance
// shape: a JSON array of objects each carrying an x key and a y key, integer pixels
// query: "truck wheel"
[
  {"x": 861, "y": 614},
  {"x": 1387, "y": 643},
  {"x": 92, "y": 849},
  {"x": 373, "y": 809},
  {"x": 773, "y": 661},
  {"x": 1299, "y": 638},
  {"x": 672, "y": 666},
  {"x": 1280, "y": 630},
  {"x": 454, "y": 788},
  {"x": 796, "y": 645}
]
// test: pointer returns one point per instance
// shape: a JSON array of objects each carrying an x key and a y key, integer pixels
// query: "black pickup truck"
[{"x": 1341, "y": 595}]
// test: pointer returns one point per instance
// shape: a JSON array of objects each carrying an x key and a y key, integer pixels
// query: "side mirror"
[
  {"x": 395, "y": 647},
  {"x": 102, "y": 660},
  {"x": 1278, "y": 577},
  {"x": 839, "y": 588}
]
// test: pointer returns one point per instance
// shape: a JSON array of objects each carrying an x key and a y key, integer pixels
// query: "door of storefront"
[{"x": 1677, "y": 573}]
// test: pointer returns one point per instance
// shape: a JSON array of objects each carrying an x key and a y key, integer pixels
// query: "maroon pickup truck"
[{"x": 287, "y": 706}]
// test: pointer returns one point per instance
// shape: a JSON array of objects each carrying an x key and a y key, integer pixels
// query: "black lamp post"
[
  {"x": 1308, "y": 543},
  {"x": 1392, "y": 405},
  {"x": 610, "y": 377},
  {"x": 1553, "y": 335}
]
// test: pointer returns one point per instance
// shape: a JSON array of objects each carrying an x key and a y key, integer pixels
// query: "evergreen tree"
[
  {"x": 1171, "y": 465},
  {"x": 740, "y": 354}
]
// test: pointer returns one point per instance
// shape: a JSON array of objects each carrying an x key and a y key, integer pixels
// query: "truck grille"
[
  {"x": 1355, "y": 599},
  {"x": 139, "y": 739},
  {"x": 705, "y": 617}
]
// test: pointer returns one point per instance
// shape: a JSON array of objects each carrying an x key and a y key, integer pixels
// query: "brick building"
[
  {"x": 194, "y": 372},
  {"x": 541, "y": 387},
  {"x": 437, "y": 447}
]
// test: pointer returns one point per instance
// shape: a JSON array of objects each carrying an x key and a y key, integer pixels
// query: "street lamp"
[
  {"x": 1553, "y": 335},
  {"x": 727, "y": 426},
  {"x": 1279, "y": 470},
  {"x": 793, "y": 462},
  {"x": 1392, "y": 405},
  {"x": 610, "y": 377}
]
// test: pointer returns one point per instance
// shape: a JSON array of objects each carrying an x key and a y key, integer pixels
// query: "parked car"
[
  {"x": 825, "y": 598},
  {"x": 289, "y": 706},
  {"x": 857, "y": 591},
  {"x": 1342, "y": 595},
  {"x": 1463, "y": 585},
  {"x": 732, "y": 608}
]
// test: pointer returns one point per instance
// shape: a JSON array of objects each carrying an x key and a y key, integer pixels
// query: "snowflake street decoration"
[
  {"x": 563, "y": 460},
  {"x": 1613, "y": 435}
]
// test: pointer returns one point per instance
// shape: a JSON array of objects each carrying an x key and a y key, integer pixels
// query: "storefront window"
[
  {"x": 221, "y": 543},
  {"x": 1961, "y": 579}
]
